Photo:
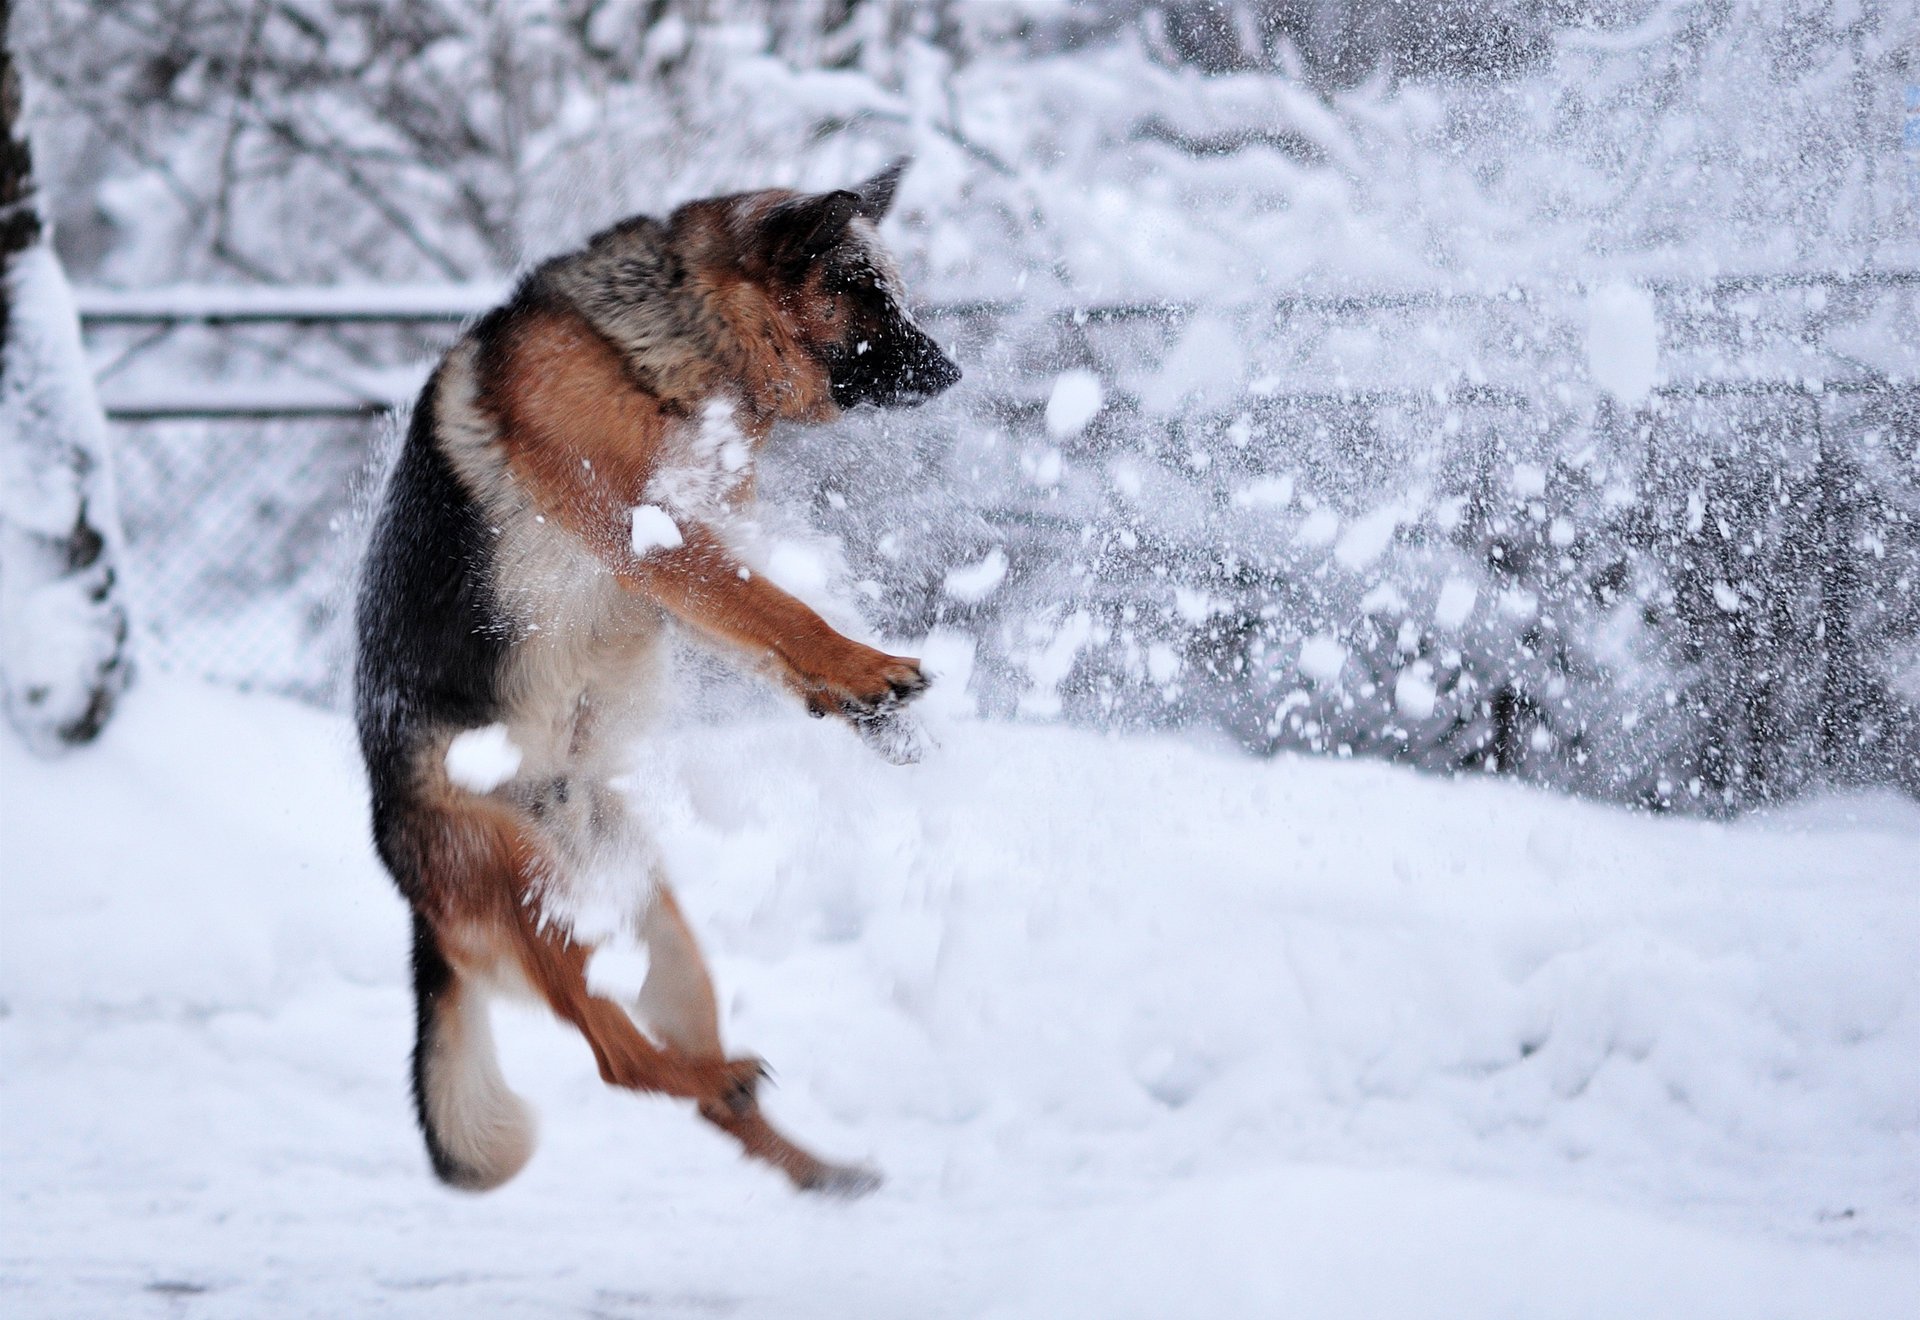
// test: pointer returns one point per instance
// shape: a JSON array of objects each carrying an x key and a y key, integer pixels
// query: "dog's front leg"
[{"x": 702, "y": 582}]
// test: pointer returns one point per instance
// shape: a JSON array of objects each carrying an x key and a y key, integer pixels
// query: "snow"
[
  {"x": 972, "y": 583},
  {"x": 1075, "y": 401},
  {"x": 1205, "y": 366},
  {"x": 803, "y": 567},
  {"x": 1135, "y": 1029},
  {"x": 1163, "y": 663},
  {"x": 1623, "y": 341},
  {"x": 654, "y": 529},
  {"x": 1319, "y": 528},
  {"x": 700, "y": 478},
  {"x": 480, "y": 760}
]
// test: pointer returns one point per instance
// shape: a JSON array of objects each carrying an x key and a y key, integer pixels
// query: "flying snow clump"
[
  {"x": 1623, "y": 341},
  {"x": 973, "y": 583},
  {"x": 1367, "y": 538},
  {"x": 618, "y": 969},
  {"x": 1075, "y": 401},
  {"x": 1455, "y": 605},
  {"x": 1322, "y": 657},
  {"x": 1413, "y": 691},
  {"x": 480, "y": 760},
  {"x": 654, "y": 529}
]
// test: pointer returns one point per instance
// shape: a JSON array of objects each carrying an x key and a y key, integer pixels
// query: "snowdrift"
[{"x": 1135, "y": 1027}]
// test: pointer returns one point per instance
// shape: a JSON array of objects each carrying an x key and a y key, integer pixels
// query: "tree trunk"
[{"x": 63, "y": 628}]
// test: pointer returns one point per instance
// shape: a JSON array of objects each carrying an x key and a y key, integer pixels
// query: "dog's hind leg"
[
  {"x": 555, "y": 965},
  {"x": 481, "y": 925},
  {"x": 677, "y": 1004}
]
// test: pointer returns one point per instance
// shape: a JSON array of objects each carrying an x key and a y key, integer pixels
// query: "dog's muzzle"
[{"x": 905, "y": 369}]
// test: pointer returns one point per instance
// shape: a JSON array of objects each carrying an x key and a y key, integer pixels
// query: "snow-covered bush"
[{"x": 63, "y": 624}]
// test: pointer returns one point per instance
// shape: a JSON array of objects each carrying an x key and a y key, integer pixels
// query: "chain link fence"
[
  {"x": 241, "y": 543},
  {"x": 1279, "y": 552}
]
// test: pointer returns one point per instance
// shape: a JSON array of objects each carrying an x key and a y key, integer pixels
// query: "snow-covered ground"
[{"x": 1136, "y": 1029}]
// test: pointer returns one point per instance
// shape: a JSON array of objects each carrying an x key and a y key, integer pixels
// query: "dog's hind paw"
[
  {"x": 732, "y": 1087},
  {"x": 846, "y": 1182}
]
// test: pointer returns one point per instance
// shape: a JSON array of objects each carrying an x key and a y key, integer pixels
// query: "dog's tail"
[{"x": 479, "y": 1133}]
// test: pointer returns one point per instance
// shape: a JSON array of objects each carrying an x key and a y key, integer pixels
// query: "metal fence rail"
[{"x": 432, "y": 313}]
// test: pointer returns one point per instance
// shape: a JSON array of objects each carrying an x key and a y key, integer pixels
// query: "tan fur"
[{"x": 489, "y": 1130}]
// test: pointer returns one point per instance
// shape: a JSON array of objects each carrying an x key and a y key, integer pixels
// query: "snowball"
[
  {"x": 1322, "y": 657},
  {"x": 1413, "y": 691},
  {"x": 1529, "y": 480},
  {"x": 1075, "y": 401},
  {"x": 1623, "y": 341},
  {"x": 973, "y": 583},
  {"x": 654, "y": 529},
  {"x": 480, "y": 760},
  {"x": 1726, "y": 597}
]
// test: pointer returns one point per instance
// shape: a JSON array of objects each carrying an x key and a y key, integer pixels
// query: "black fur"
[{"x": 430, "y": 648}]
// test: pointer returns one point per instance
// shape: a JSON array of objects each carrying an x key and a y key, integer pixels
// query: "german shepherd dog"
[{"x": 563, "y": 492}]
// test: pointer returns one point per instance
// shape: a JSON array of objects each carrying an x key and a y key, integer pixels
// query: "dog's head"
[{"x": 838, "y": 292}]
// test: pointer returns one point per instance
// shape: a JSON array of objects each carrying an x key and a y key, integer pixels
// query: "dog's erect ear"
[
  {"x": 876, "y": 194},
  {"x": 793, "y": 233}
]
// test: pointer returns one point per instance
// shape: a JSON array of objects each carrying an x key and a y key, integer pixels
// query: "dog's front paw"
[
  {"x": 863, "y": 684},
  {"x": 883, "y": 683}
]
